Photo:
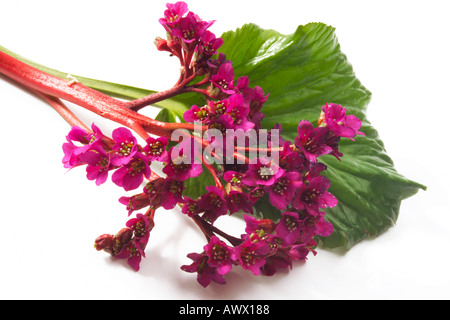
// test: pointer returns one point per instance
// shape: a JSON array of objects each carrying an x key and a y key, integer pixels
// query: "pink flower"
[
  {"x": 173, "y": 14},
  {"x": 289, "y": 227},
  {"x": 209, "y": 43},
  {"x": 340, "y": 124},
  {"x": 224, "y": 79},
  {"x": 155, "y": 149},
  {"x": 220, "y": 255},
  {"x": 86, "y": 141},
  {"x": 141, "y": 225},
  {"x": 98, "y": 164},
  {"x": 251, "y": 255},
  {"x": 213, "y": 204},
  {"x": 312, "y": 141},
  {"x": 190, "y": 207},
  {"x": 196, "y": 114},
  {"x": 239, "y": 201},
  {"x": 283, "y": 190},
  {"x": 172, "y": 193},
  {"x": 133, "y": 252},
  {"x": 238, "y": 111},
  {"x": 256, "y": 225},
  {"x": 154, "y": 190},
  {"x": 263, "y": 173},
  {"x": 125, "y": 146},
  {"x": 190, "y": 28},
  {"x": 181, "y": 166},
  {"x": 131, "y": 175},
  {"x": 205, "y": 273},
  {"x": 314, "y": 196},
  {"x": 233, "y": 178}
]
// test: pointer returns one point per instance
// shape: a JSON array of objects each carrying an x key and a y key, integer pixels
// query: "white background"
[{"x": 50, "y": 218}]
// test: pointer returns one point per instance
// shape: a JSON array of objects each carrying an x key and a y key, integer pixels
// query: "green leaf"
[{"x": 302, "y": 72}]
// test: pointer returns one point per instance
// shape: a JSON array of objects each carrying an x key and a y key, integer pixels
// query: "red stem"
[{"x": 83, "y": 96}]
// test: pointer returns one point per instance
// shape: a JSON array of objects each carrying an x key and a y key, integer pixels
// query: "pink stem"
[{"x": 83, "y": 96}]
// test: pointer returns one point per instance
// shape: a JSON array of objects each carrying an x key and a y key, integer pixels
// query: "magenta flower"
[
  {"x": 190, "y": 28},
  {"x": 283, "y": 190},
  {"x": 220, "y": 255},
  {"x": 205, "y": 273},
  {"x": 86, "y": 141},
  {"x": 279, "y": 260},
  {"x": 256, "y": 98},
  {"x": 213, "y": 204},
  {"x": 172, "y": 193},
  {"x": 141, "y": 225},
  {"x": 154, "y": 190},
  {"x": 299, "y": 252},
  {"x": 156, "y": 149},
  {"x": 241, "y": 87},
  {"x": 238, "y": 111},
  {"x": 209, "y": 43},
  {"x": 314, "y": 196},
  {"x": 239, "y": 201},
  {"x": 125, "y": 146},
  {"x": 251, "y": 255},
  {"x": 263, "y": 173},
  {"x": 233, "y": 178},
  {"x": 86, "y": 138},
  {"x": 196, "y": 114},
  {"x": 312, "y": 141},
  {"x": 340, "y": 124},
  {"x": 131, "y": 175},
  {"x": 98, "y": 164},
  {"x": 323, "y": 227},
  {"x": 224, "y": 79},
  {"x": 256, "y": 193},
  {"x": 256, "y": 225},
  {"x": 181, "y": 166},
  {"x": 191, "y": 207},
  {"x": 173, "y": 14},
  {"x": 133, "y": 252},
  {"x": 221, "y": 123},
  {"x": 70, "y": 159},
  {"x": 289, "y": 227}
]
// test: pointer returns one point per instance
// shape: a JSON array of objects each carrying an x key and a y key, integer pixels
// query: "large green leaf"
[{"x": 302, "y": 72}]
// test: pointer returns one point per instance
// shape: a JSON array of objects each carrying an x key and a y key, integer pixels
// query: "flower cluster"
[
  {"x": 121, "y": 154},
  {"x": 239, "y": 108},
  {"x": 289, "y": 177},
  {"x": 265, "y": 247},
  {"x": 188, "y": 37},
  {"x": 294, "y": 185},
  {"x": 130, "y": 242}
]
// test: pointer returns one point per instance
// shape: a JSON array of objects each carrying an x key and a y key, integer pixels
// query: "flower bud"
[
  {"x": 104, "y": 242},
  {"x": 161, "y": 44},
  {"x": 122, "y": 238}
]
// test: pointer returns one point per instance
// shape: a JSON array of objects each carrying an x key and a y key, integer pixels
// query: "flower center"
[
  {"x": 265, "y": 173},
  {"x": 156, "y": 148},
  {"x": 280, "y": 186},
  {"x": 219, "y": 253},
  {"x": 125, "y": 148}
]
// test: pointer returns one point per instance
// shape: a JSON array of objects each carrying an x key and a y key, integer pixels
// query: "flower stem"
[{"x": 83, "y": 96}]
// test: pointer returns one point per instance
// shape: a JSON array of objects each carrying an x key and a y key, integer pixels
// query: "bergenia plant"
[{"x": 282, "y": 141}]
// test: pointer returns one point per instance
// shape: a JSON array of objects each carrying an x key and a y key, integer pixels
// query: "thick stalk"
[{"x": 83, "y": 96}]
